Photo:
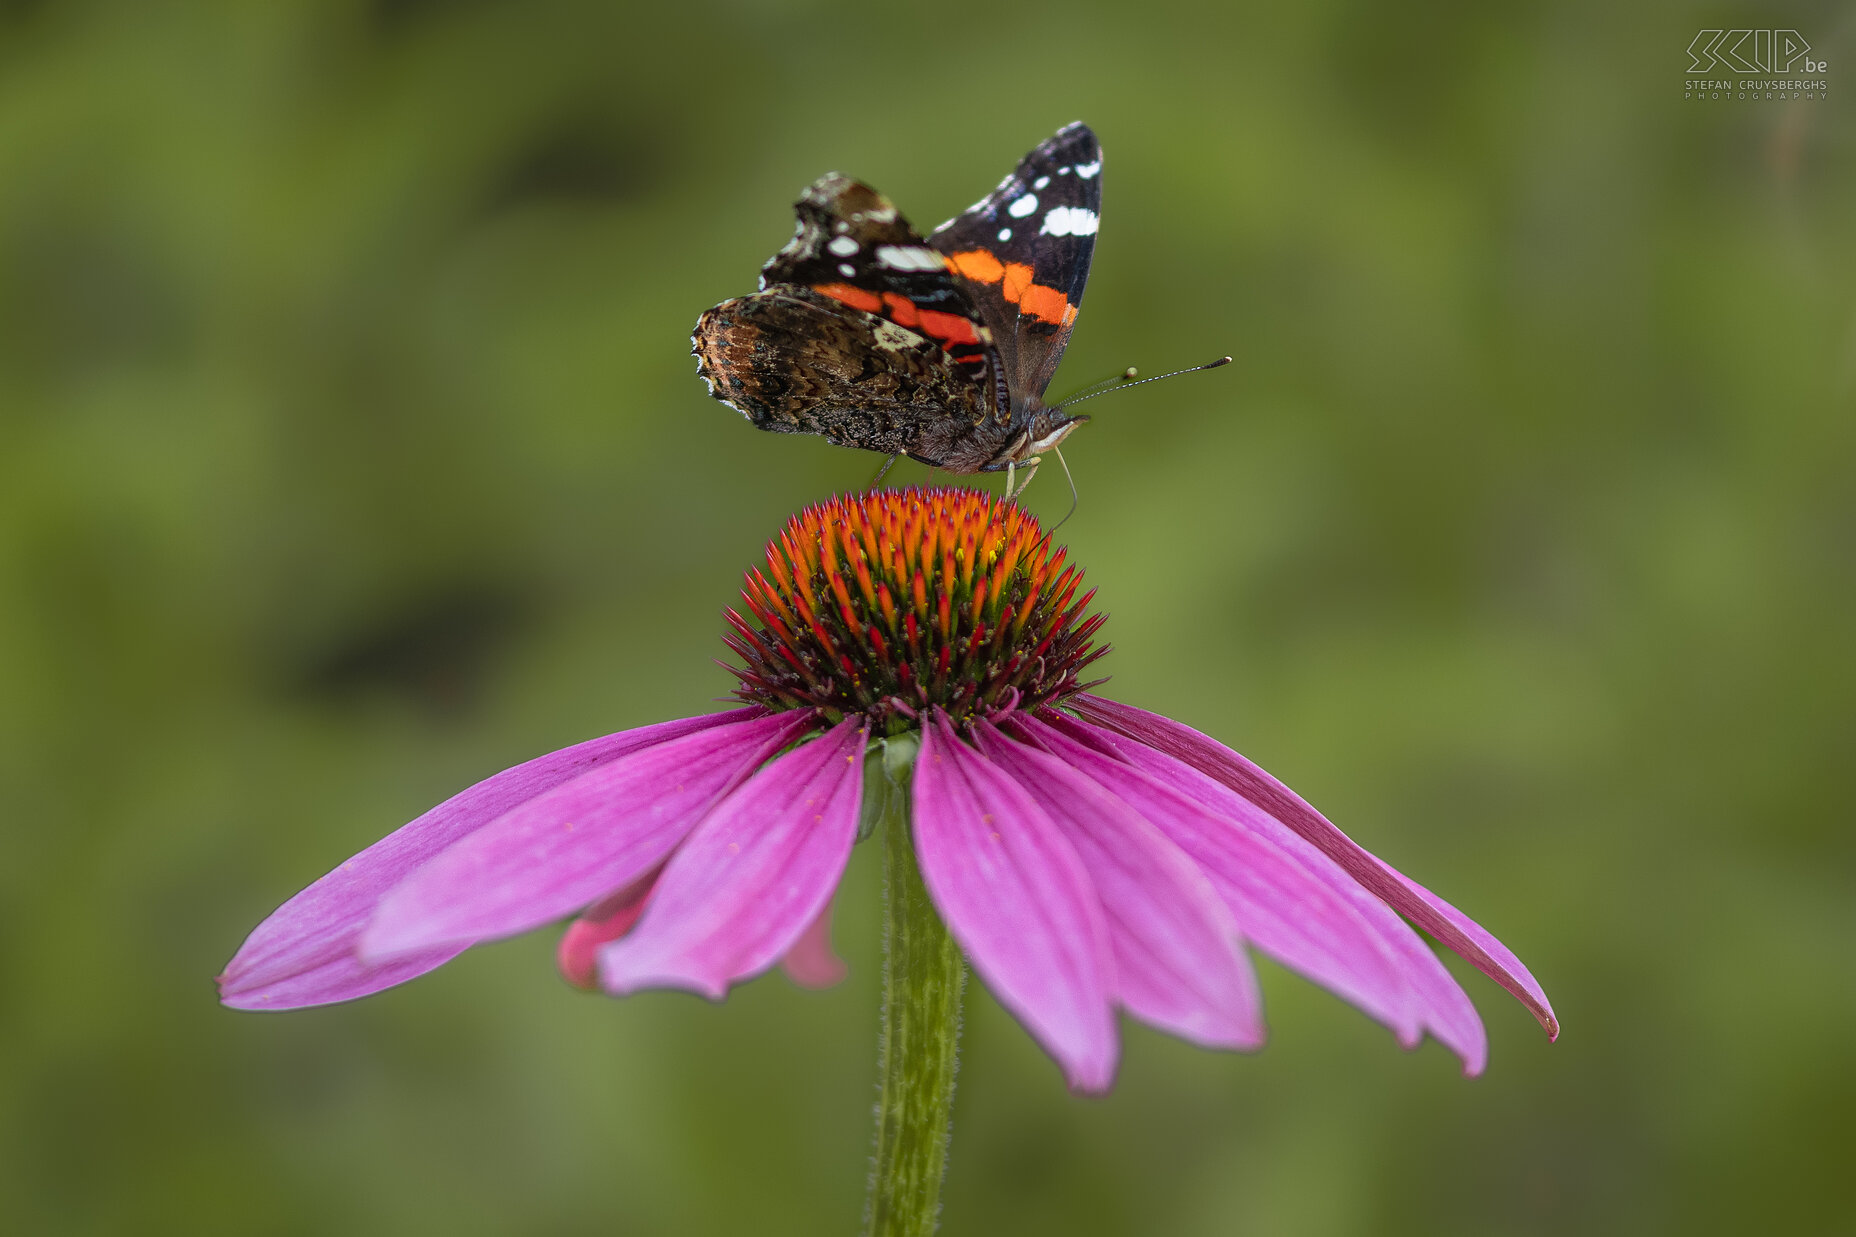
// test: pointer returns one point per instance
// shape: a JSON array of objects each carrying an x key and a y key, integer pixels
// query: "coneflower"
[{"x": 916, "y": 656}]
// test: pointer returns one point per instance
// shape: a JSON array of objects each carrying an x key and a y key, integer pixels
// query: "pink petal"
[
  {"x": 323, "y": 981},
  {"x": 1019, "y": 901},
  {"x": 1179, "y": 961},
  {"x": 1436, "y": 999},
  {"x": 563, "y": 850},
  {"x": 812, "y": 962},
  {"x": 304, "y": 954},
  {"x": 753, "y": 875},
  {"x": 1424, "y": 908},
  {"x": 1297, "y": 916},
  {"x": 577, "y": 956}
]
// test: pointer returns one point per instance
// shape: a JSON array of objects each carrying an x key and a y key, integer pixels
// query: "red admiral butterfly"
[{"x": 939, "y": 349}]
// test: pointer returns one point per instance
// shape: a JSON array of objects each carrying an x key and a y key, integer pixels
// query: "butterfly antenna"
[
  {"x": 1095, "y": 388},
  {"x": 1077, "y": 399},
  {"x": 1058, "y": 451}
]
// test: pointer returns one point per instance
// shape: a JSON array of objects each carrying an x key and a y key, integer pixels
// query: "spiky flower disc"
[{"x": 888, "y": 603}]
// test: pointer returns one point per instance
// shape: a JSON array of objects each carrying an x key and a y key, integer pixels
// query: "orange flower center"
[{"x": 889, "y": 603}]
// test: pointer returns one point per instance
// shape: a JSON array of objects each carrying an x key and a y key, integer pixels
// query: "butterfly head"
[{"x": 1044, "y": 429}]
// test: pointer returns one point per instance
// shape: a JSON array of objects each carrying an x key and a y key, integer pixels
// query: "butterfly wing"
[
  {"x": 1024, "y": 251},
  {"x": 940, "y": 349},
  {"x": 797, "y": 361},
  {"x": 854, "y": 246}
]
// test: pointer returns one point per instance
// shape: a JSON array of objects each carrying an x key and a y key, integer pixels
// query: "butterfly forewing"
[{"x": 1024, "y": 250}]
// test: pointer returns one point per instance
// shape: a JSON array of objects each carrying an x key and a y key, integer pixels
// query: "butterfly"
[{"x": 940, "y": 348}]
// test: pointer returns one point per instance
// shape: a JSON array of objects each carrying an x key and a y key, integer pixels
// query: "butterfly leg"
[
  {"x": 883, "y": 471},
  {"x": 1031, "y": 470}
]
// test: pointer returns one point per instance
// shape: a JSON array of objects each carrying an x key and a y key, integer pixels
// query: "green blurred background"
[{"x": 350, "y": 450}]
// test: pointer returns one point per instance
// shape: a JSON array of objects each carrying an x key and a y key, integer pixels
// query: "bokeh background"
[{"x": 350, "y": 451}]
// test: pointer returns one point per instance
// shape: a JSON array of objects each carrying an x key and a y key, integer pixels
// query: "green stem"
[{"x": 923, "y": 976}]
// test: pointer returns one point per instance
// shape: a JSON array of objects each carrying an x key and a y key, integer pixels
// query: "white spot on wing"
[
  {"x": 1086, "y": 170},
  {"x": 1005, "y": 234},
  {"x": 846, "y": 269},
  {"x": 1069, "y": 221},
  {"x": 1021, "y": 207},
  {"x": 909, "y": 258},
  {"x": 1040, "y": 182},
  {"x": 843, "y": 246}
]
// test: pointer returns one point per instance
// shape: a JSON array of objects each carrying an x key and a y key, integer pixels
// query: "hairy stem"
[{"x": 923, "y": 976}]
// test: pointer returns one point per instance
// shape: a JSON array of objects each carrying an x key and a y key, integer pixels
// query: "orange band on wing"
[
  {"x": 1017, "y": 277},
  {"x": 977, "y": 265},
  {"x": 902, "y": 310},
  {"x": 1045, "y": 304},
  {"x": 1041, "y": 302},
  {"x": 856, "y": 298},
  {"x": 949, "y": 328}
]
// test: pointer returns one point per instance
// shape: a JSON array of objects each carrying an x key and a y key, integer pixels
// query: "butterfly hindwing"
[
  {"x": 797, "y": 361},
  {"x": 1024, "y": 250}
]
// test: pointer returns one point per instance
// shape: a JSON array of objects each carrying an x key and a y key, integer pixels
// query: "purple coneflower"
[{"x": 1085, "y": 855}]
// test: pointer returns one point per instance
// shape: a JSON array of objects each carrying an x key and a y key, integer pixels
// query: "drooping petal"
[
  {"x": 751, "y": 877},
  {"x": 1458, "y": 931},
  {"x": 304, "y": 954},
  {"x": 1019, "y": 902},
  {"x": 1437, "y": 1000},
  {"x": 563, "y": 850},
  {"x": 324, "y": 981},
  {"x": 577, "y": 956},
  {"x": 1289, "y": 912},
  {"x": 1179, "y": 960},
  {"x": 812, "y": 962}
]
